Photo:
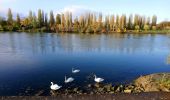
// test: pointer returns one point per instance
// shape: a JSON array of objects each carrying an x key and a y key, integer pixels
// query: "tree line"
[{"x": 87, "y": 23}]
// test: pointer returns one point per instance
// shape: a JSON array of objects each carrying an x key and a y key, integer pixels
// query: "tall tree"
[
  {"x": 148, "y": 21},
  {"x": 82, "y": 23},
  {"x": 58, "y": 19},
  {"x": 63, "y": 21},
  {"x": 30, "y": 16},
  {"x": 70, "y": 21},
  {"x": 136, "y": 20},
  {"x": 112, "y": 22},
  {"x": 39, "y": 18},
  {"x": 67, "y": 23},
  {"x": 154, "y": 20},
  {"x": 130, "y": 23},
  {"x": 10, "y": 17},
  {"x": 34, "y": 22},
  {"x": 52, "y": 21},
  {"x": 143, "y": 22},
  {"x": 117, "y": 22},
  {"x": 100, "y": 18},
  {"x": 46, "y": 20},
  {"x": 18, "y": 20},
  {"x": 42, "y": 18}
]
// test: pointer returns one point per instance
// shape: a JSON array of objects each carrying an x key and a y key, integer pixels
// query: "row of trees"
[{"x": 89, "y": 22}]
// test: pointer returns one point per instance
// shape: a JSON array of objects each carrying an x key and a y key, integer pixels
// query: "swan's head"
[
  {"x": 94, "y": 75},
  {"x": 52, "y": 83}
]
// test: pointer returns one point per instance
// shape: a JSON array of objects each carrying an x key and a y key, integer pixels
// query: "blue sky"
[{"x": 160, "y": 8}]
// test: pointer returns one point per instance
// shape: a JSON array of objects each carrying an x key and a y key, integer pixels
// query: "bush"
[
  {"x": 137, "y": 28},
  {"x": 146, "y": 27},
  {"x": 1, "y": 28},
  {"x": 154, "y": 28}
]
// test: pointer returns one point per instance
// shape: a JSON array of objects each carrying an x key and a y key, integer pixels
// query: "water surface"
[{"x": 30, "y": 61}]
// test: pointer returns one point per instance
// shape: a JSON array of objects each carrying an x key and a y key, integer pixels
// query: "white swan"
[
  {"x": 68, "y": 80},
  {"x": 97, "y": 79},
  {"x": 75, "y": 70},
  {"x": 54, "y": 86}
]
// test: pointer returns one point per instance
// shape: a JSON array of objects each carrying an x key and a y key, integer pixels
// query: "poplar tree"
[
  {"x": 46, "y": 20},
  {"x": 52, "y": 21},
  {"x": 58, "y": 19},
  {"x": 154, "y": 20},
  {"x": 117, "y": 22},
  {"x": 10, "y": 17},
  {"x": 39, "y": 18},
  {"x": 30, "y": 16},
  {"x": 112, "y": 22},
  {"x": 130, "y": 23},
  {"x": 18, "y": 20},
  {"x": 34, "y": 22},
  {"x": 42, "y": 18}
]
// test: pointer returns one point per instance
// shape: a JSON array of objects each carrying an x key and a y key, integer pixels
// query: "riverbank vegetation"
[
  {"x": 150, "y": 83},
  {"x": 87, "y": 23}
]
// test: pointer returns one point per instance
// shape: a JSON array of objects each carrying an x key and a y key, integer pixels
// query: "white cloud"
[{"x": 76, "y": 10}]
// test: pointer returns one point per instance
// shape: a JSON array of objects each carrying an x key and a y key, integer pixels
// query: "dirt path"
[{"x": 121, "y": 96}]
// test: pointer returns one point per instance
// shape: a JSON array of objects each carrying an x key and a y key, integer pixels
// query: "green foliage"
[
  {"x": 89, "y": 22},
  {"x": 146, "y": 27},
  {"x": 39, "y": 18},
  {"x": 58, "y": 19},
  {"x": 1, "y": 28},
  {"x": 137, "y": 28},
  {"x": 154, "y": 28},
  {"x": 34, "y": 22},
  {"x": 52, "y": 21},
  {"x": 89, "y": 30},
  {"x": 9, "y": 18},
  {"x": 46, "y": 20},
  {"x": 130, "y": 22},
  {"x": 154, "y": 20}
]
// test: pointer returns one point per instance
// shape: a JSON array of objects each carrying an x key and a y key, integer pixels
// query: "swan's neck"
[
  {"x": 95, "y": 76},
  {"x": 52, "y": 83},
  {"x": 65, "y": 78}
]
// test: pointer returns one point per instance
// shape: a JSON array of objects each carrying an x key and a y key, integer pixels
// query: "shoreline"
[
  {"x": 159, "y": 82},
  {"x": 127, "y": 32}
]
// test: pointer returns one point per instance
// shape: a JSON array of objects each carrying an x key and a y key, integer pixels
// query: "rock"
[
  {"x": 75, "y": 89},
  {"x": 97, "y": 85},
  {"x": 53, "y": 93},
  {"x": 108, "y": 87},
  {"x": 91, "y": 93},
  {"x": 70, "y": 96},
  {"x": 39, "y": 93},
  {"x": 154, "y": 82},
  {"x": 127, "y": 91},
  {"x": 138, "y": 90},
  {"x": 130, "y": 87},
  {"x": 89, "y": 85},
  {"x": 100, "y": 89},
  {"x": 117, "y": 89},
  {"x": 112, "y": 88},
  {"x": 111, "y": 92}
]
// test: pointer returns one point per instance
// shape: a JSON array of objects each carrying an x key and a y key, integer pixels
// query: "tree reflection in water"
[{"x": 168, "y": 59}]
